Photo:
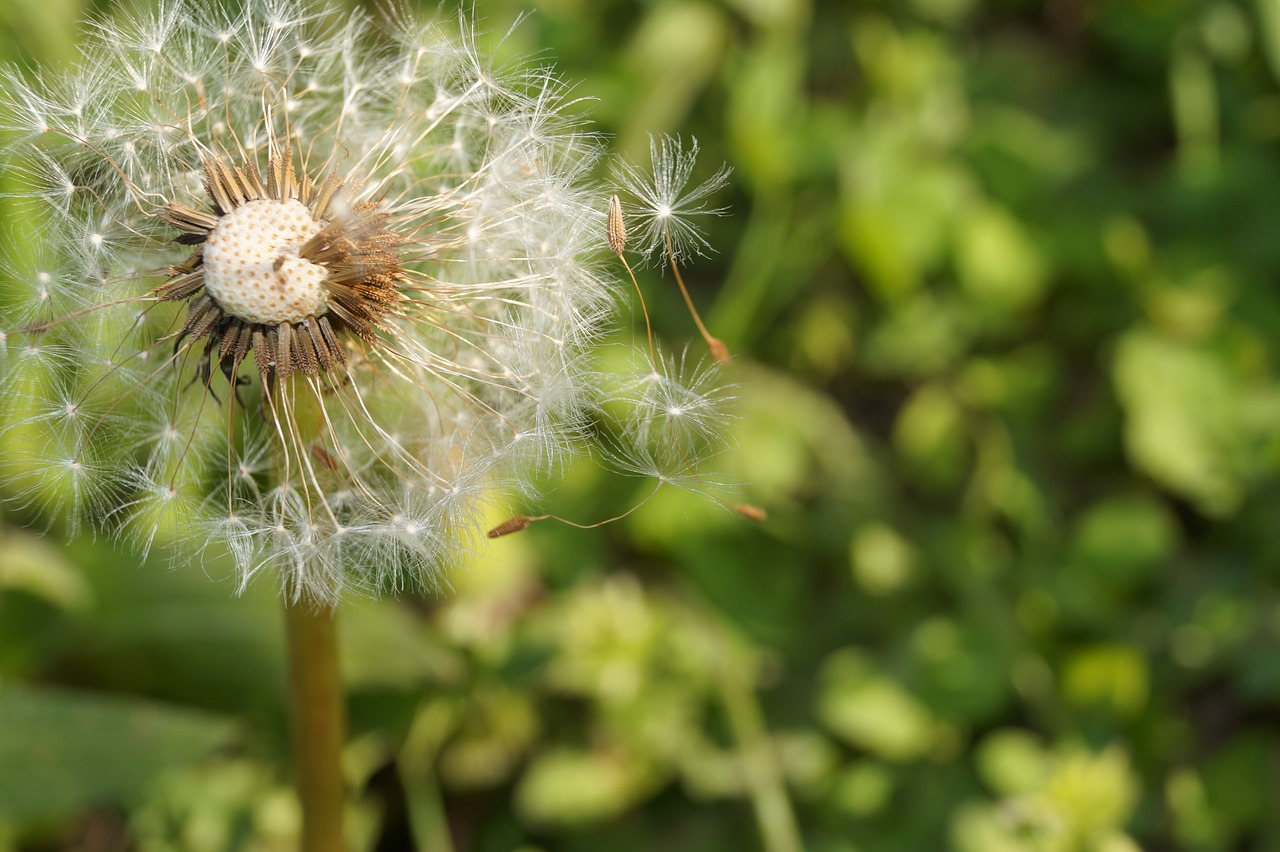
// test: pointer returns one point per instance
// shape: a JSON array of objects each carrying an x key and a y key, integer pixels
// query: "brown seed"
[
  {"x": 513, "y": 525},
  {"x": 615, "y": 226}
]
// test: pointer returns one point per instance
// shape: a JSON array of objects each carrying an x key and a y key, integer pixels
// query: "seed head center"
[{"x": 252, "y": 267}]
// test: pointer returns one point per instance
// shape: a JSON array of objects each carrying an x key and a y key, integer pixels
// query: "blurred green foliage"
[{"x": 1002, "y": 280}]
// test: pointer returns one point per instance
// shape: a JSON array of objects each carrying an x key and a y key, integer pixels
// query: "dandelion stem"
[{"x": 318, "y": 726}]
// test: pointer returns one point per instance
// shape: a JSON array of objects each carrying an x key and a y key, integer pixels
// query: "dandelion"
[{"x": 307, "y": 287}]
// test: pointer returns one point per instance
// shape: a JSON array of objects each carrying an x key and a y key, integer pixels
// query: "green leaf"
[
  {"x": 1123, "y": 538},
  {"x": 1012, "y": 762},
  {"x": 999, "y": 265},
  {"x": 383, "y": 645},
  {"x": 1113, "y": 677},
  {"x": 930, "y": 435},
  {"x": 569, "y": 785},
  {"x": 882, "y": 560},
  {"x": 872, "y": 711},
  {"x": 1182, "y": 408},
  {"x": 61, "y": 750},
  {"x": 863, "y": 789},
  {"x": 35, "y": 566}
]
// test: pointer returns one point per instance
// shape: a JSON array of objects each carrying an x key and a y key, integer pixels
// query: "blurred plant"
[{"x": 1052, "y": 800}]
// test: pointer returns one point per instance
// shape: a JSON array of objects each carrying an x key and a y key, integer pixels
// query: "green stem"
[
  {"x": 769, "y": 799},
  {"x": 316, "y": 701},
  {"x": 433, "y": 724}
]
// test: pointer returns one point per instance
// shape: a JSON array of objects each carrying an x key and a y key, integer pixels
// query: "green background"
[{"x": 1001, "y": 280}]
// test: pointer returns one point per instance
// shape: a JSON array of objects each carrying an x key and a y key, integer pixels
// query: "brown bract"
[{"x": 355, "y": 246}]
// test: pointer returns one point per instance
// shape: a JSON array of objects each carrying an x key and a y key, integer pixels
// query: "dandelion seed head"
[{"x": 327, "y": 287}]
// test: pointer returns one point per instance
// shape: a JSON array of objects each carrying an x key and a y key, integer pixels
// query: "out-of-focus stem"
[
  {"x": 316, "y": 704},
  {"x": 774, "y": 815},
  {"x": 428, "y": 821}
]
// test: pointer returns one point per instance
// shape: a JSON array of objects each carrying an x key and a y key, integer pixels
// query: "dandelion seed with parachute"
[{"x": 667, "y": 211}]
